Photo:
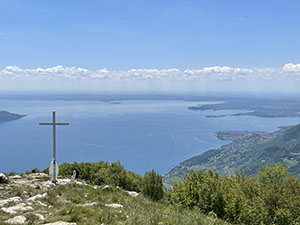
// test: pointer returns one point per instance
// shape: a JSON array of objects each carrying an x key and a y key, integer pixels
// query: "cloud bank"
[{"x": 216, "y": 77}]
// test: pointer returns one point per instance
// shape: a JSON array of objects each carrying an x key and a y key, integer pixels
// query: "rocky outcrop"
[
  {"x": 35, "y": 200},
  {"x": 10, "y": 200},
  {"x": 16, "y": 220},
  {"x": 21, "y": 207}
]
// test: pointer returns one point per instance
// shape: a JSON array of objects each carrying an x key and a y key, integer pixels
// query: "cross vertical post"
[
  {"x": 53, "y": 169},
  {"x": 54, "y": 139}
]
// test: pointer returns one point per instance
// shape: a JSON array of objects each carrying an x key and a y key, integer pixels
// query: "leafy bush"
[
  {"x": 201, "y": 190},
  {"x": 271, "y": 198},
  {"x": 101, "y": 172},
  {"x": 153, "y": 186}
]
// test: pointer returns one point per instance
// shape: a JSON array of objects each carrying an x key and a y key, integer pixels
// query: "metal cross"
[{"x": 54, "y": 172}]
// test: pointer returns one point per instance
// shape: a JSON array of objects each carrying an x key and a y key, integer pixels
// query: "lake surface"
[{"x": 141, "y": 134}]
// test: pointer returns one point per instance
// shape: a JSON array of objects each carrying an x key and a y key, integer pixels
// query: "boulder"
[
  {"x": 38, "y": 196},
  {"x": 16, "y": 177},
  {"x": 16, "y": 220},
  {"x": 114, "y": 205},
  {"x": 133, "y": 193}
]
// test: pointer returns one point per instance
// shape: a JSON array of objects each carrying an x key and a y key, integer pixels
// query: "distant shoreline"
[{"x": 267, "y": 108}]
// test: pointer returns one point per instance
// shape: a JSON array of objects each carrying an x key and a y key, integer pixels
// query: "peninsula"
[
  {"x": 246, "y": 152},
  {"x": 7, "y": 116}
]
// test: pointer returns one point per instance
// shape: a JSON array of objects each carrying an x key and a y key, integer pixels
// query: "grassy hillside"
[
  {"x": 41, "y": 202},
  {"x": 246, "y": 153}
]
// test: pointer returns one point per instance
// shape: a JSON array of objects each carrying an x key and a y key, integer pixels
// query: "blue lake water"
[{"x": 142, "y": 135}]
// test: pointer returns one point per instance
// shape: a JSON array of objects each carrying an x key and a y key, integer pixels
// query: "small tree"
[{"x": 153, "y": 186}]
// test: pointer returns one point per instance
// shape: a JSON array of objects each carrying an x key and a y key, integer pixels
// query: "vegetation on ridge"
[
  {"x": 104, "y": 173},
  {"x": 99, "y": 173},
  {"x": 271, "y": 198}
]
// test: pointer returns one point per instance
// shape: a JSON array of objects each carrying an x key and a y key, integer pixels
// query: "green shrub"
[
  {"x": 100, "y": 173},
  {"x": 153, "y": 186},
  {"x": 201, "y": 190},
  {"x": 271, "y": 198}
]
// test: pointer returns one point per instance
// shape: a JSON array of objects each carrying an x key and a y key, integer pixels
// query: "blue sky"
[
  {"x": 129, "y": 34},
  {"x": 144, "y": 34}
]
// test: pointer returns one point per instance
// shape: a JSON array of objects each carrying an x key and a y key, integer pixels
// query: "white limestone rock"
[
  {"x": 114, "y": 205},
  {"x": 38, "y": 175},
  {"x": 21, "y": 207},
  {"x": 64, "y": 181},
  {"x": 35, "y": 186},
  {"x": 87, "y": 204},
  {"x": 60, "y": 223},
  {"x": 69, "y": 181},
  {"x": 80, "y": 183},
  {"x": 10, "y": 200},
  {"x": 16, "y": 220},
  {"x": 47, "y": 184},
  {"x": 41, "y": 203},
  {"x": 16, "y": 177},
  {"x": 40, "y": 216},
  {"x": 133, "y": 193},
  {"x": 38, "y": 196},
  {"x": 106, "y": 187}
]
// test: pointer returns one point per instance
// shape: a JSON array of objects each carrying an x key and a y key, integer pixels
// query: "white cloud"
[
  {"x": 61, "y": 76},
  {"x": 207, "y": 73},
  {"x": 290, "y": 67},
  {"x": 45, "y": 73}
]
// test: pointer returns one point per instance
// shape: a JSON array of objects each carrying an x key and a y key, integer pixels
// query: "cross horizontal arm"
[
  {"x": 54, "y": 124},
  {"x": 61, "y": 123}
]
